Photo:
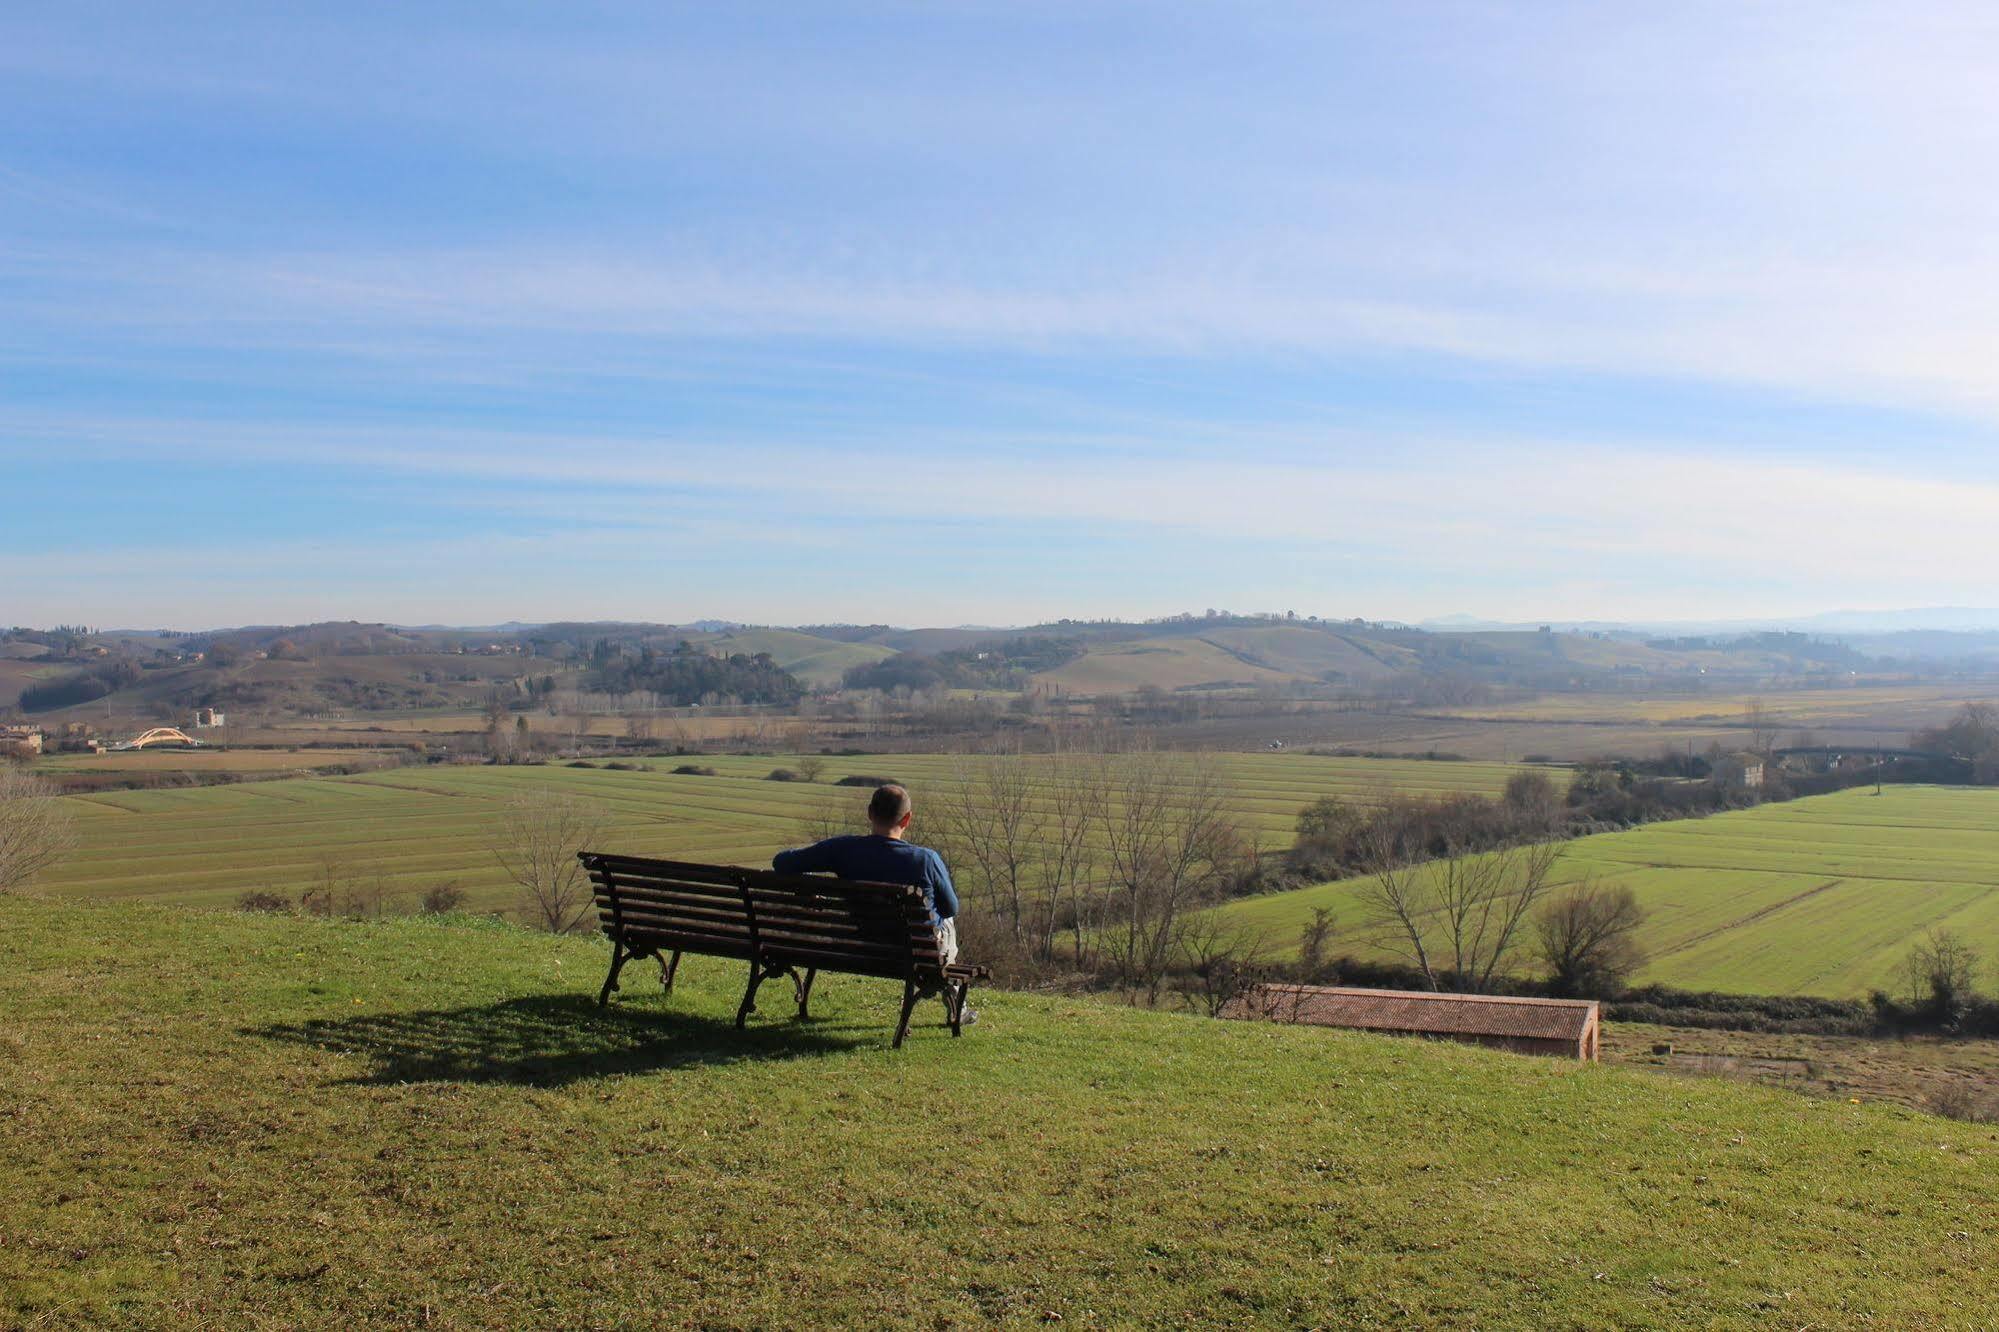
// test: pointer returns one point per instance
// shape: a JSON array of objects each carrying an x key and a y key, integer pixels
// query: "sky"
[{"x": 947, "y": 313}]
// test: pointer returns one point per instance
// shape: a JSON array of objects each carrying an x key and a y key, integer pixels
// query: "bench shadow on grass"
[{"x": 550, "y": 1040}]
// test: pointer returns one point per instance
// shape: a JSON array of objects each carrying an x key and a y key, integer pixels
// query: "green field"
[
  {"x": 418, "y": 826},
  {"x": 1815, "y": 896},
  {"x": 217, "y": 1120}
]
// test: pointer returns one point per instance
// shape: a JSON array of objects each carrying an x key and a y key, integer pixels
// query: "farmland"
[
  {"x": 205, "y": 761},
  {"x": 217, "y": 1120},
  {"x": 1815, "y": 896},
  {"x": 419, "y": 826},
  {"x": 1893, "y": 708}
]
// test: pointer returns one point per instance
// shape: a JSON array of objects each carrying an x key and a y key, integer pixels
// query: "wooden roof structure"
[{"x": 1510, "y": 1021}]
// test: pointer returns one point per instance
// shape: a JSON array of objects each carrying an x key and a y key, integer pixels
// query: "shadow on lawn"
[{"x": 546, "y": 1040}]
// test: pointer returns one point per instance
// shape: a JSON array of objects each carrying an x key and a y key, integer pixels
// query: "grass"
[
  {"x": 1815, "y": 896},
  {"x": 1916, "y": 1071},
  {"x": 1165, "y": 663},
  {"x": 418, "y": 826},
  {"x": 216, "y": 1120},
  {"x": 206, "y": 760}
]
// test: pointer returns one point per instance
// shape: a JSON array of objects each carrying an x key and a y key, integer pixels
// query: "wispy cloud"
[{"x": 1408, "y": 306}]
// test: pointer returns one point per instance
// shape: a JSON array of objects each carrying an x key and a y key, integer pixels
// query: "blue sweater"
[{"x": 877, "y": 859}]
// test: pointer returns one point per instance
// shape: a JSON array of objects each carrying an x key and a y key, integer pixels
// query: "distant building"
[
  {"x": 1563, "y": 1028},
  {"x": 206, "y": 719},
  {"x": 1739, "y": 772},
  {"x": 20, "y": 742}
]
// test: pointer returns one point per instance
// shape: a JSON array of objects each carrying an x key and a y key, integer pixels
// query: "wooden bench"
[{"x": 781, "y": 924}]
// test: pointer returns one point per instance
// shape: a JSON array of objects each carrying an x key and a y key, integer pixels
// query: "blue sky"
[{"x": 949, "y": 313}]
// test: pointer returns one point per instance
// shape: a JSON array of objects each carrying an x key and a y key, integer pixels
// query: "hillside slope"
[
  {"x": 1823, "y": 895},
  {"x": 209, "y": 1119},
  {"x": 819, "y": 662}
]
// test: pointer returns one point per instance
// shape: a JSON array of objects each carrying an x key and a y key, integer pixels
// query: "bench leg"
[
  {"x": 954, "y": 1003},
  {"x": 749, "y": 1004},
  {"x": 618, "y": 956},
  {"x": 909, "y": 997},
  {"x": 666, "y": 969},
  {"x": 803, "y": 988}
]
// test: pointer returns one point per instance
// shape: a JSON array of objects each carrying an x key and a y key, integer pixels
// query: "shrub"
[
  {"x": 783, "y": 775},
  {"x": 619, "y": 765},
  {"x": 693, "y": 770},
  {"x": 259, "y": 900},
  {"x": 1965, "y": 1102},
  {"x": 441, "y": 898},
  {"x": 580, "y": 763},
  {"x": 870, "y": 782}
]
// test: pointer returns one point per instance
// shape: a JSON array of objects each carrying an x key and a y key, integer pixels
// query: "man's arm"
[
  {"x": 814, "y": 859},
  {"x": 942, "y": 893}
]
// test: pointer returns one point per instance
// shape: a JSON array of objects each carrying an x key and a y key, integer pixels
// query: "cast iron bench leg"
[
  {"x": 803, "y": 988},
  {"x": 666, "y": 970},
  {"x": 611, "y": 981},
  {"x": 909, "y": 997},
  {"x": 956, "y": 1004},
  {"x": 749, "y": 1004}
]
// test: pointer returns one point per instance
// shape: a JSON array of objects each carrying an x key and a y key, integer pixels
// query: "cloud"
[{"x": 1536, "y": 514}]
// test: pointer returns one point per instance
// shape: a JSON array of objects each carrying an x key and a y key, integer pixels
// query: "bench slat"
[{"x": 898, "y": 934}]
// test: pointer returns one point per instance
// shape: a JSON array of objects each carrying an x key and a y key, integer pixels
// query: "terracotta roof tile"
[{"x": 1416, "y": 1011}]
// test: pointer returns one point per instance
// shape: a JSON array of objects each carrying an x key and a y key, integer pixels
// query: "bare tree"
[
  {"x": 1762, "y": 726},
  {"x": 36, "y": 828},
  {"x": 986, "y": 818},
  {"x": 1586, "y": 936},
  {"x": 811, "y": 766},
  {"x": 1220, "y": 958},
  {"x": 1065, "y": 870},
  {"x": 1394, "y": 894},
  {"x": 540, "y": 833},
  {"x": 1170, "y": 846},
  {"x": 1533, "y": 801},
  {"x": 1460, "y": 915}
]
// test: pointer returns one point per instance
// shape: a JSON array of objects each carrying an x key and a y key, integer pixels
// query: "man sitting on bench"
[{"x": 885, "y": 855}]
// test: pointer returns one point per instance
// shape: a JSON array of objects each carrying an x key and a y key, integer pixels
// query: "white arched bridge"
[{"x": 161, "y": 736}]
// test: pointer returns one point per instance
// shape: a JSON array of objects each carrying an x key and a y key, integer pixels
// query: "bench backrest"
[{"x": 869, "y": 929}]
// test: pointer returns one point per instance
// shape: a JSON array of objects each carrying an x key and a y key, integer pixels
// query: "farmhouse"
[
  {"x": 206, "y": 718},
  {"x": 1739, "y": 772},
  {"x": 20, "y": 741},
  {"x": 1565, "y": 1028}
]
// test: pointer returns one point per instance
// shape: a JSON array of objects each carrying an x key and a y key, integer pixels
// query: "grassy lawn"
[
  {"x": 218, "y": 1120},
  {"x": 1815, "y": 896},
  {"x": 418, "y": 826}
]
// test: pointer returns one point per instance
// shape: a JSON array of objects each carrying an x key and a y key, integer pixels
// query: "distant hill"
[
  {"x": 1119, "y": 667},
  {"x": 818, "y": 662},
  {"x": 374, "y": 665}
]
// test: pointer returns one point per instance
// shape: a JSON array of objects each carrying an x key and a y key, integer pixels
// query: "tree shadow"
[{"x": 547, "y": 1040}]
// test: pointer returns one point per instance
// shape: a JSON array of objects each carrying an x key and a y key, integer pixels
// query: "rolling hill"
[
  {"x": 1122, "y": 667},
  {"x": 819, "y": 662},
  {"x": 1823, "y": 895}
]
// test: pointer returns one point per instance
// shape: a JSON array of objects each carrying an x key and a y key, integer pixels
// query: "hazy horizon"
[{"x": 983, "y": 313}]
